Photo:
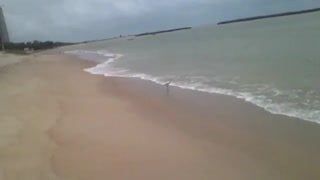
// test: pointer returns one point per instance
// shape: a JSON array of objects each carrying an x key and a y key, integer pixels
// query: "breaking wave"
[{"x": 293, "y": 103}]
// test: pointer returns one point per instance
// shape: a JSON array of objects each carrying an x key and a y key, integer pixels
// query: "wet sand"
[{"x": 59, "y": 122}]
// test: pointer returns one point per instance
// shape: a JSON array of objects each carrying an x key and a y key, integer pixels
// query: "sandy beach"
[{"x": 59, "y": 122}]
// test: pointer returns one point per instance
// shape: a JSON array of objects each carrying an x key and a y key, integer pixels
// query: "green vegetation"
[
  {"x": 35, "y": 45},
  {"x": 270, "y": 16},
  {"x": 164, "y": 31}
]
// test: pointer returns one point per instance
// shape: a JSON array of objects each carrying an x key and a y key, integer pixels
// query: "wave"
[{"x": 261, "y": 95}]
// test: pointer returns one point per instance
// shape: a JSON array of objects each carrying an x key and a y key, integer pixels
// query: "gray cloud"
[{"x": 78, "y": 20}]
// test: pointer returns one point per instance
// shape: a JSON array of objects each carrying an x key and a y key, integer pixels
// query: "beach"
[{"x": 59, "y": 122}]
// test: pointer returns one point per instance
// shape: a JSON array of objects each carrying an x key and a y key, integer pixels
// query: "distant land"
[
  {"x": 142, "y": 34},
  {"x": 34, "y": 46},
  {"x": 164, "y": 31},
  {"x": 270, "y": 16}
]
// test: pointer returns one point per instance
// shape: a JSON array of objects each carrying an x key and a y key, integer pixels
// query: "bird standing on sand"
[{"x": 167, "y": 84}]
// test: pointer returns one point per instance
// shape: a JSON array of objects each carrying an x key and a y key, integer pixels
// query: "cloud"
[{"x": 78, "y": 20}]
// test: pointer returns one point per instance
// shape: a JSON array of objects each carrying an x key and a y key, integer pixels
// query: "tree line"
[{"x": 35, "y": 45}]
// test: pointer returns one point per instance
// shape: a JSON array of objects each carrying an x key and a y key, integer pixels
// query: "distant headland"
[
  {"x": 270, "y": 16},
  {"x": 164, "y": 31}
]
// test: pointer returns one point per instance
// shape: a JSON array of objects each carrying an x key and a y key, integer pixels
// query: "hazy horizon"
[{"x": 80, "y": 20}]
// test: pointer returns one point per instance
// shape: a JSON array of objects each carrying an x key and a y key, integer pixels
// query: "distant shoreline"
[
  {"x": 270, "y": 16},
  {"x": 163, "y": 31}
]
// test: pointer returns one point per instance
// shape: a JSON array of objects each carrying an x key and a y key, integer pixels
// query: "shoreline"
[
  {"x": 255, "y": 18},
  {"x": 254, "y": 119},
  {"x": 195, "y": 91},
  {"x": 65, "y": 123},
  {"x": 216, "y": 91}
]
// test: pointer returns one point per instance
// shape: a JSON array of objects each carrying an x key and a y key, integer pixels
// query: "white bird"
[{"x": 168, "y": 83}]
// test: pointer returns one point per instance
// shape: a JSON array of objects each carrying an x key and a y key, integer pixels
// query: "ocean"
[{"x": 272, "y": 63}]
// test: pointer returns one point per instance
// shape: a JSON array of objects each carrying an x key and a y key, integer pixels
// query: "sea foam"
[{"x": 255, "y": 94}]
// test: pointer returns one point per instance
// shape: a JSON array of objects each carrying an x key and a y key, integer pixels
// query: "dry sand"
[
  {"x": 9, "y": 59},
  {"x": 59, "y": 122}
]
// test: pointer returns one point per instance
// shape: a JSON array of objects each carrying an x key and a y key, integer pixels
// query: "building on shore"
[{"x": 4, "y": 35}]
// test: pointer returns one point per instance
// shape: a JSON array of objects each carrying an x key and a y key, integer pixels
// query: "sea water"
[{"x": 272, "y": 63}]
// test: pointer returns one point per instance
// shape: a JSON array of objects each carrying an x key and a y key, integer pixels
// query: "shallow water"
[{"x": 272, "y": 63}]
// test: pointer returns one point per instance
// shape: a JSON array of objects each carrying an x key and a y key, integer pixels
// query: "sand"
[
  {"x": 9, "y": 59},
  {"x": 59, "y": 122}
]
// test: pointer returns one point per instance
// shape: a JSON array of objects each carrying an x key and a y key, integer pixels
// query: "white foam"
[{"x": 198, "y": 83}]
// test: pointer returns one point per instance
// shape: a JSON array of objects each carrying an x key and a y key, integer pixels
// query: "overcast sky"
[{"x": 79, "y": 20}]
